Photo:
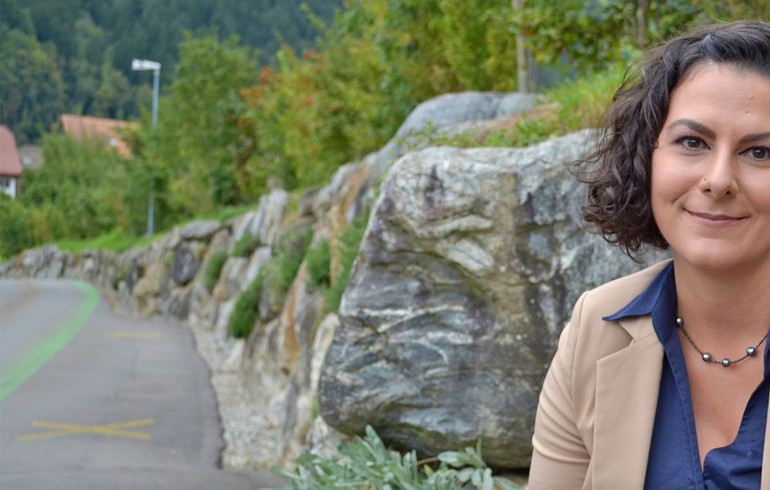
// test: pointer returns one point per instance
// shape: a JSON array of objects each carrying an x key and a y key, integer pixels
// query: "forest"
[
  {"x": 257, "y": 94},
  {"x": 74, "y": 56}
]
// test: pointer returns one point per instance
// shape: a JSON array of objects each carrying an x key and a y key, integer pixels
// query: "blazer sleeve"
[{"x": 560, "y": 458}]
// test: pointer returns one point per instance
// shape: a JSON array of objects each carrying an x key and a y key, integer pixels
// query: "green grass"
[
  {"x": 116, "y": 240},
  {"x": 221, "y": 214}
]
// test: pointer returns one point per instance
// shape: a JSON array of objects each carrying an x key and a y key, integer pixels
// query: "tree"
[
  {"x": 197, "y": 130},
  {"x": 31, "y": 88}
]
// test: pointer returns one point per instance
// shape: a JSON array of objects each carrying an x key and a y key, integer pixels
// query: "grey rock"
[
  {"x": 134, "y": 272},
  {"x": 179, "y": 303},
  {"x": 258, "y": 260},
  {"x": 451, "y": 109},
  {"x": 467, "y": 273},
  {"x": 305, "y": 205},
  {"x": 221, "y": 329},
  {"x": 186, "y": 263},
  {"x": 200, "y": 230},
  {"x": 230, "y": 278},
  {"x": 266, "y": 220}
]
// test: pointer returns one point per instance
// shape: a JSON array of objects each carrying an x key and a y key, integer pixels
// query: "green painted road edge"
[{"x": 24, "y": 365}]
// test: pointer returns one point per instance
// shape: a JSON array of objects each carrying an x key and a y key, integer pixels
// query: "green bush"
[
  {"x": 13, "y": 228},
  {"x": 367, "y": 464},
  {"x": 245, "y": 245},
  {"x": 318, "y": 262},
  {"x": 282, "y": 269},
  {"x": 278, "y": 275},
  {"x": 245, "y": 310},
  {"x": 213, "y": 268},
  {"x": 349, "y": 241}
]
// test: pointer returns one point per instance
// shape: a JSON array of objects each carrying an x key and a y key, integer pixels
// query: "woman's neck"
[{"x": 716, "y": 304}]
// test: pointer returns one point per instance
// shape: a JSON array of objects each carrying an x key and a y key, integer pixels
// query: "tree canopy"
[{"x": 79, "y": 60}]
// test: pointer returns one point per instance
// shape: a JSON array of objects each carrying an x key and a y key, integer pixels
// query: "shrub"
[
  {"x": 367, "y": 464},
  {"x": 245, "y": 310},
  {"x": 318, "y": 262},
  {"x": 245, "y": 245},
  {"x": 347, "y": 247},
  {"x": 13, "y": 227},
  {"x": 213, "y": 268},
  {"x": 282, "y": 270}
]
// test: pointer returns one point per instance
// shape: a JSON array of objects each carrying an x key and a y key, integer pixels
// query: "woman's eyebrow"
[
  {"x": 695, "y": 126},
  {"x": 700, "y": 128},
  {"x": 751, "y": 138}
]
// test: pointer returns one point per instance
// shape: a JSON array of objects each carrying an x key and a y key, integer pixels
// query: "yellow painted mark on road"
[
  {"x": 60, "y": 430},
  {"x": 128, "y": 334}
]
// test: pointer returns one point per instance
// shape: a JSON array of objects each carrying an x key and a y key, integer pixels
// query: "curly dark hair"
[{"x": 618, "y": 172}]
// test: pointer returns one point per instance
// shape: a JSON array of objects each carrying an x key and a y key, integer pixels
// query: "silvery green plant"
[{"x": 366, "y": 464}]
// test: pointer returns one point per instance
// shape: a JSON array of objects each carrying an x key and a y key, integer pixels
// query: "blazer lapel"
[{"x": 628, "y": 383}]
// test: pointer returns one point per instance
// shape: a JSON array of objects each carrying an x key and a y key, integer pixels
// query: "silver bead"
[
  {"x": 706, "y": 357},
  {"x": 726, "y": 362},
  {"x": 751, "y": 351},
  {"x": 679, "y": 321}
]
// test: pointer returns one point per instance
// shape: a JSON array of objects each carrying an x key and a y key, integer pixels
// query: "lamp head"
[{"x": 139, "y": 65}]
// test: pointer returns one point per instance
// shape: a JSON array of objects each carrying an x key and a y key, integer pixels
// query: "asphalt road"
[{"x": 91, "y": 400}]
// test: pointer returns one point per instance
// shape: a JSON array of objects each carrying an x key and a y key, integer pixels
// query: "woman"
[{"x": 661, "y": 378}]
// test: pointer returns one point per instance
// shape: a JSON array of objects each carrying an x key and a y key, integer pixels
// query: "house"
[
  {"x": 10, "y": 163},
  {"x": 106, "y": 130}
]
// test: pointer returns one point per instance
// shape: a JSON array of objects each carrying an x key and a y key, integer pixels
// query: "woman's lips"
[{"x": 715, "y": 219}]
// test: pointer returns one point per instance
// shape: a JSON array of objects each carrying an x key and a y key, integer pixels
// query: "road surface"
[{"x": 91, "y": 400}]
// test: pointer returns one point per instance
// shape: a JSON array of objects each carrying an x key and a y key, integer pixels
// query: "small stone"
[
  {"x": 726, "y": 362},
  {"x": 706, "y": 357},
  {"x": 751, "y": 351}
]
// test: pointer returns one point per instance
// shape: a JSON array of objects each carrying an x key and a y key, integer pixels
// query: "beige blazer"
[{"x": 597, "y": 407}]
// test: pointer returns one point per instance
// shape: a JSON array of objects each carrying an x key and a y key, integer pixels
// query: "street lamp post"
[{"x": 144, "y": 65}]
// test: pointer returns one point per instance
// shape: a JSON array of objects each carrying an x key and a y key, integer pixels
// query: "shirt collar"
[
  {"x": 662, "y": 287},
  {"x": 659, "y": 300}
]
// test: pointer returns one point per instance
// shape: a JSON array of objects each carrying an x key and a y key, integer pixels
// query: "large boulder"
[
  {"x": 467, "y": 273},
  {"x": 449, "y": 110}
]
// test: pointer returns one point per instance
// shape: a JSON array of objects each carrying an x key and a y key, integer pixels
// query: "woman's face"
[{"x": 710, "y": 188}]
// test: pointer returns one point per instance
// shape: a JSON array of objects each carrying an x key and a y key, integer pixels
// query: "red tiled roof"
[
  {"x": 96, "y": 127},
  {"x": 10, "y": 163}
]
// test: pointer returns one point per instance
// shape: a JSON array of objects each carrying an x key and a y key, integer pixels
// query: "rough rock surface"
[
  {"x": 449, "y": 110},
  {"x": 467, "y": 273}
]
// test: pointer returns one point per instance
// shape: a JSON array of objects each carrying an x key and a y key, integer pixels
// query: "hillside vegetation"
[
  {"x": 74, "y": 56},
  {"x": 231, "y": 125}
]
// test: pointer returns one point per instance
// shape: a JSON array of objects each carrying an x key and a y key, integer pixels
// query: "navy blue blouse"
[{"x": 674, "y": 461}]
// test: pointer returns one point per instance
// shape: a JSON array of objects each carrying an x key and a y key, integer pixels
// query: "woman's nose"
[{"x": 720, "y": 179}]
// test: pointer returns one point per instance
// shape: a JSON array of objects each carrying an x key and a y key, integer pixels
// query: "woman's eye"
[
  {"x": 758, "y": 153},
  {"x": 692, "y": 143}
]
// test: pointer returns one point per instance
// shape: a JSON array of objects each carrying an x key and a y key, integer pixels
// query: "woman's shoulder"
[{"x": 614, "y": 295}]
